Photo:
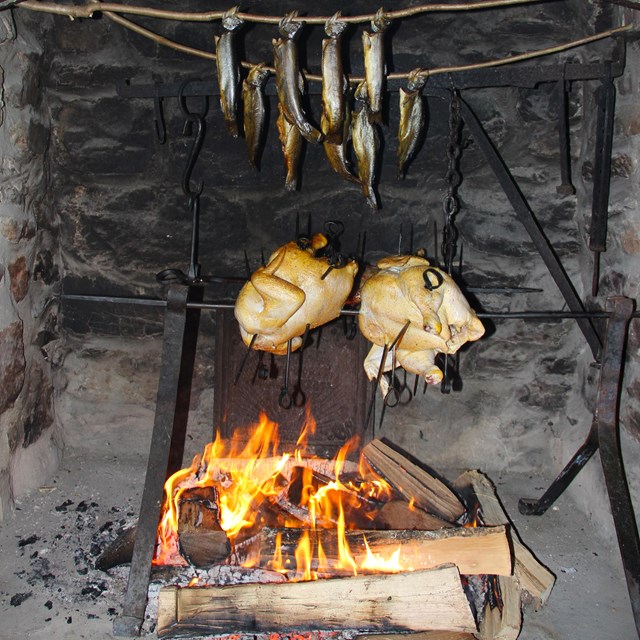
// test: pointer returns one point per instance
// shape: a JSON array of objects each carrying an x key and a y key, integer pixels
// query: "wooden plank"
[
  {"x": 473, "y": 551},
  {"x": 416, "y": 601},
  {"x": 412, "y": 481},
  {"x": 533, "y": 577}
]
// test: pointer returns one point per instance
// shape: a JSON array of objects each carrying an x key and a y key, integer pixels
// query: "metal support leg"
[
  {"x": 611, "y": 459},
  {"x": 530, "y": 223},
  {"x": 135, "y": 601},
  {"x": 605, "y": 434}
]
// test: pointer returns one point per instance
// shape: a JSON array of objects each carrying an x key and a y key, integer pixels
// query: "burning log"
[
  {"x": 417, "y": 601},
  {"x": 201, "y": 538},
  {"x": 413, "y": 482},
  {"x": 472, "y": 550}
]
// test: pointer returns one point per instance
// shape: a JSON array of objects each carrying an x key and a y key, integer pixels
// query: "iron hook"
[{"x": 197, "y": 118}]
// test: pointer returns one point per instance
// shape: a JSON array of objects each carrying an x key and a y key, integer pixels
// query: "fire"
[
  {"x": 249, "y": 476},
  {"x": 377, "y": 562}
]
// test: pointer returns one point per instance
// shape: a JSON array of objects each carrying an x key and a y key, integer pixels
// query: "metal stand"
[
  {"x": 605, "y": 435},
  {"x": 167, "y": 445}
]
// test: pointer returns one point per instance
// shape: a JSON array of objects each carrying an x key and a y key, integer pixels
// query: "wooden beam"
[{"x": 416, "y": 601}]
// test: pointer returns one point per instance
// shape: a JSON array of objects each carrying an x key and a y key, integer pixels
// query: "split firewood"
[
  {"x": 416, "y": 601},
  {"x": 535, "y": 580},
  {"x": 201, "y": 538},
  {"x": 399, "y": 514},
  {"x": 424, "y": 635},
  {"x": 412, "y": 481},
  {"x": 472, "y": 550}
]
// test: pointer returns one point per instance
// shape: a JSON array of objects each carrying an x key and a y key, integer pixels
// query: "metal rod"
[
  {"x": 549, "y": 314},
  {"x": 532, "y": 226},
  {"x": 565, "y": 188},
  {"x": 135, "y": 600},
  {"x": 522, "y": 76}
]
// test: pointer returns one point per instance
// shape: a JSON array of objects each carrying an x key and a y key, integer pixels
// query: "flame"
[
  {"x": 377, "y": 562},
  {"x": 246, "y": 471}
]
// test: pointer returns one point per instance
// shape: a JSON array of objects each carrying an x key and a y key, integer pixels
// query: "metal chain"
[{"x": 450, "y": 203}]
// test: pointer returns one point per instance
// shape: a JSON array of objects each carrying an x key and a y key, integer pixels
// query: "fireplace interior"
[{"x": 102, "y": 271}]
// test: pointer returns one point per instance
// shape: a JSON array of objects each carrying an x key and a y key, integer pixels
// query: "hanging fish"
[
  {"x": 374, "y": 66},
  {"x": 254, "y": 111},
  {"x": 334, "y": 82},
  {"x": 229, "y": 69},
  {"x": 289, "y": 80},
  {"x": 337, "y": 153},
  {"x": 412, "y": 119},
  {"x": 365, "y": 145},
  {"x": 291, "y": 148}
]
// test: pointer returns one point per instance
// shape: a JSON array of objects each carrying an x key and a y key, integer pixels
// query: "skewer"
[
  {"x": 244, "y": 360},
  {"x": 392, "y": 348},
  {"x": 284, "y": 399},
  {"x": 385, "y": 351}
]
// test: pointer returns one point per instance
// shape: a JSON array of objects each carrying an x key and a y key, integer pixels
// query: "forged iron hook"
[
  {"x": 427, "y": 282},
  {"x": 197, "y": 118}
]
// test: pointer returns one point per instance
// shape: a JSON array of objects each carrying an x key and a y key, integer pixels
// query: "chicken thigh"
[
  {"x": 409, "y": 289},
  {"x": 296, "y": 287}
]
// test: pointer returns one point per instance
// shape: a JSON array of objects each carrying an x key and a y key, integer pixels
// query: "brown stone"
[
  {"x": 14, "y": 231},
  {"x": 12, "y": 364},
  {"x": 19, "y": 278},
  {"x": 630, "y": 239}
]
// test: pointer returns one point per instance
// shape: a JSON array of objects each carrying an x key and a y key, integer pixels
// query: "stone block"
[
  {"x": 12, "y": 363},
  {"x": 19, "y": 275}
]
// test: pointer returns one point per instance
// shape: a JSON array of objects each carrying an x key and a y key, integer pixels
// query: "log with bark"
[
  {"x": 416, "y": 601},
  {"x": 473, "y": 551},
  {"x": 201, "y": 538}
]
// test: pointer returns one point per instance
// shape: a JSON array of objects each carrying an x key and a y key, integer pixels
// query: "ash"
[{"x": 50, "y": 588}]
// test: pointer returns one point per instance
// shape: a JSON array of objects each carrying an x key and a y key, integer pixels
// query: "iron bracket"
[
  {"x": 605, "y": 435},
  {"x": 167, "y": 446}
]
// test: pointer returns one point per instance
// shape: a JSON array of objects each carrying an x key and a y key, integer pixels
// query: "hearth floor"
[{"x": 48, "y": 588}]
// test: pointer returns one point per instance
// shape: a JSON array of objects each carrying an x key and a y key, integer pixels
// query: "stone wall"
[
  {"x": 528, "y": 387},
  {"x": 30, "y": 352}
]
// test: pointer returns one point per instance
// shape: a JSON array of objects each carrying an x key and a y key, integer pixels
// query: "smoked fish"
[
  {"x": 412, "y": 119},
  {"x": 229, "y": 70},
  {"x": 254, "y": 111},
  {"x": 289, "y": 81},
  {"x": 291, "y": 141},
  {"x": 365, "y": 144},
  {"x": 334, "y": 82},
  {"x": 374, "y": 66}
]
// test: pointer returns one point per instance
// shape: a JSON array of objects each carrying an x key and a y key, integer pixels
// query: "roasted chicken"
[
  {"x": 297, "y": 287},
  {"x": 408, "y": 288}
]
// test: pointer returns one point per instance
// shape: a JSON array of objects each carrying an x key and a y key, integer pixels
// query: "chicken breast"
[
  {"x": 289, "y": 292},
  {"x": 408, "y": 288}
]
